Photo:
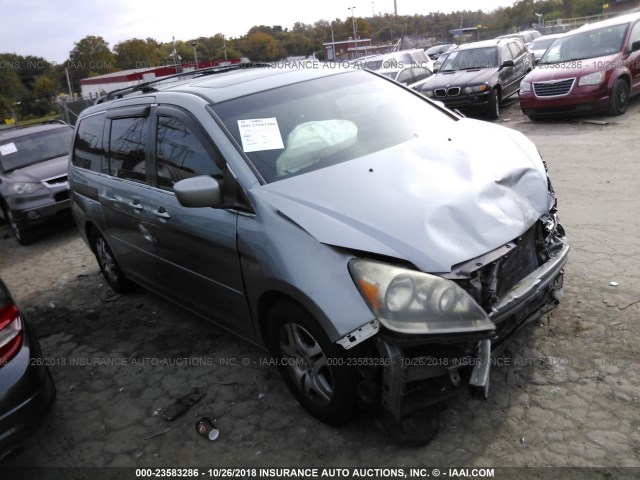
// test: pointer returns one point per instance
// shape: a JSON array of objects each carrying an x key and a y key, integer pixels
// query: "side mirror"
[
  {"x": 507, "y": 63},
  {"x": 635, "y": 46},
  {"x": 537, "y": 61},
  {"x": 197, "y": 192}
]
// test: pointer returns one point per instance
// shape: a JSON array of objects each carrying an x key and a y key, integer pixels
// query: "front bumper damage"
[{"x": 421, "y": 371}]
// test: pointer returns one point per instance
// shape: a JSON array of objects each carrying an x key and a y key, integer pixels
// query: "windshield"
[
  {"x": 310, "y": 125},
  {"x": 27, "y": 150},
  {"x": 541, "y": 43},
  {"x": 471, "y": 59},
  {"x": 591, "y": 44}
]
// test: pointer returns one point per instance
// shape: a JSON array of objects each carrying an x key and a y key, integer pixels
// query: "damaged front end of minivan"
[{"x": 438, "y": 333}]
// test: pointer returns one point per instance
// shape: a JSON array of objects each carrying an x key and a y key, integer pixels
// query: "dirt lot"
[{"x": 567, "y": 394}]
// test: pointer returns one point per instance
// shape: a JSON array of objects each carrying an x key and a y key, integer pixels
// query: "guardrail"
[{"x": 571, "y": 23}]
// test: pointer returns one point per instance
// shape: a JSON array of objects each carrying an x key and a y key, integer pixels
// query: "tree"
[
  {"x": 45, "y": 87},
  {"x": 90, "y": 56},
  {"x": 11, "y": 89},
  {"x": 137, "y": 53},
  {"x": 261, "y": 46}
]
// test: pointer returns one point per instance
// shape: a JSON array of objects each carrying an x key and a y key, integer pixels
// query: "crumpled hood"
[
  {"x": 435, "y": 201},
  {"x": 56, "y": 167}
]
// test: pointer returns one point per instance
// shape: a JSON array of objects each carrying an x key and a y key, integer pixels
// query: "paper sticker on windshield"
[
  {"x": 260, "y": 134},
  {"x": 8, "y": 148}
]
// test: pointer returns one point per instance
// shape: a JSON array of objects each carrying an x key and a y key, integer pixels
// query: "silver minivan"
[{"x": 380, "y": 246}]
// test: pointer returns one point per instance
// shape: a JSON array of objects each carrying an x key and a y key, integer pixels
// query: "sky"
[{"x": 49, "y": 28}]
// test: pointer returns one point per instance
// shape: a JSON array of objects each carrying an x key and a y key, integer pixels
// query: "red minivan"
[{"x": 594, "y": 68}]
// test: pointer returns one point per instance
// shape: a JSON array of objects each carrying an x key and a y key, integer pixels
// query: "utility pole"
[
  {"x": 395, "y": 8},
  {"x": 224, "y": 45},
  {"x": 195, "y": 52},
  {"x": 355, "y": 39},
  {"x": 66, "y": 70}
]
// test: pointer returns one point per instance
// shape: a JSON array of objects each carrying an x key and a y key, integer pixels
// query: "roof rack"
[{"x": 147, "y": 87}]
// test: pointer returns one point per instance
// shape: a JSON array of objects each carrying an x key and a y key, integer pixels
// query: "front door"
[{"x": 196, "y": 247}]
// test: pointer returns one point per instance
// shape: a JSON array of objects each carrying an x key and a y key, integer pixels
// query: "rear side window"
[
  {"x": 180, "y": 154},
  {"x": 127, "y": 142},
  {"x": 88, "y": 150}
]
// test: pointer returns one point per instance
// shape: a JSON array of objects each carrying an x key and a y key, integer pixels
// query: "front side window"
[
  {"x": 316, "y": 123},
  {"x": 505, "y": 53},
  {"x": 516, "y": 51},
  {"x": 38, "y": 147},
  {"x": 127, "y": 142},
  {"x": 180, "y": 154},
  {"x": 635, "y": 34}
]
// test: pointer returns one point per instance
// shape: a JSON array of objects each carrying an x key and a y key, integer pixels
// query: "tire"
[
  {"x": 533, "y": 117},
  {"x": 108, "y": 265},
  {"x": 22, "y": 235},
  {"x": 493, "y": 108},
  {"x": 302, "y": 348},
  {"x": 619, "y": 100}
]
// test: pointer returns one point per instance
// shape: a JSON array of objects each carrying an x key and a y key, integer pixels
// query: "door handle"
[
  {"x": 162, "y": 213},
  {"x": 135, "y": 204}
]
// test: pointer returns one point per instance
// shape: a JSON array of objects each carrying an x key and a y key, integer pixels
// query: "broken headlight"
[{"x": 408, "y": 301}]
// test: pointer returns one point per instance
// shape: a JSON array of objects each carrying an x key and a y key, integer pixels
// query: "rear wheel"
[
  {"x": 619, "y": 100},
  {"x": 493, "y": 108},
  {"x": 313, "y": 368},
  {"x": 108, "y": 265}
]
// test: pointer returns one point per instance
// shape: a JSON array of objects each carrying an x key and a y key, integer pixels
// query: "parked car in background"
[
  {"x": 33, "y": 176},
  {"x": 26, "y": 388},
  {"x": 526, "y": 36},
  {"x": 405, "y": 67},
  {"x": 434, "y": 52},
  {"x": 594, "y": 68},
  {"x": 332, "y": 216},
  {"x": 540, "y": 45},
  {"x": 442, "y": 57},
  {"x": 396, "y": 60},
  {"x": 406, "y": 75},
  {"x": 478, "y": 77}
]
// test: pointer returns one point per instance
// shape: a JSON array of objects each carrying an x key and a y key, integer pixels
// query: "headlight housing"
[
  {"x": 595, "y": 78},
  {"x": 412, "y": 302},
  {"x": 427, "y": 93},
  {"x": 24, "y": 188},
  {"x": 525, "y": 87},
  {"x": 476, "y": 89}
]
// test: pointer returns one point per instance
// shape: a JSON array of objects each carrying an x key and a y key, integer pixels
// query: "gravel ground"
[{"x": 567, "y": 394}]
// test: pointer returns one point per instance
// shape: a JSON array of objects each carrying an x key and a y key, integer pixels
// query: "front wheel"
[
  {"x": 22, "y": 235},
  {"x": 108, "y": 265},
  {"x": 314, "y": 369},
  {"x": 493, "y": 108},
  {"x": 619, "y": 98}
]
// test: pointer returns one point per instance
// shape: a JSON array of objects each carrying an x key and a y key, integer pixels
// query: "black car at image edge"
[{"x": 26, "y": 388}]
